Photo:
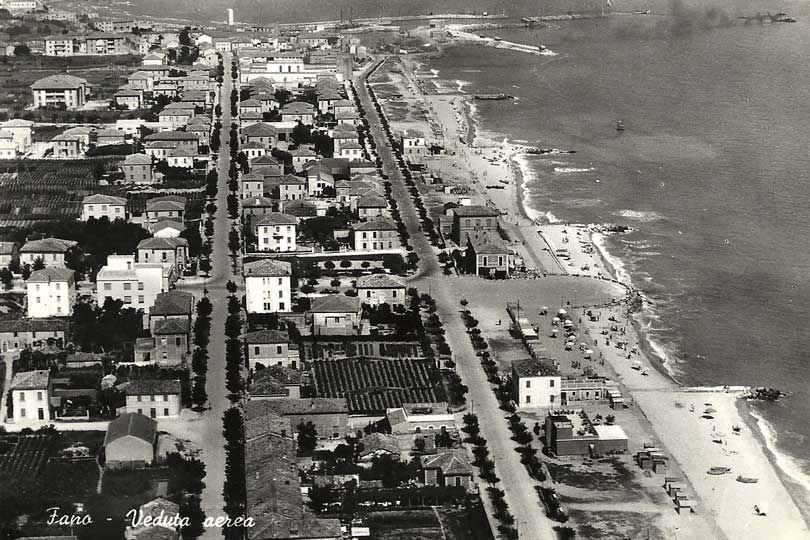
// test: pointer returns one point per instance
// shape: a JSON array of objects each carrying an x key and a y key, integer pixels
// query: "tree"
[
  {"x": 231, "y": 286},
  {"x": 198, "y": 393},
  {"x": 301, "y": 134},
  {"x": 205, "y": 266},
  {"x": 26, "y": 271},
  {"x": 6, "y": 278},
  {"x": 345, "y": 263},
  {"x": 366, "y": 264},
  {"x": 39, "y": 264},
  {"x": 22, "y": 50},
  {"x": 394, "y": 263},
  {"x": 329, "y": 265},
  {"x": 307, "y": 438},
  {"x": 184, "y": 38}
]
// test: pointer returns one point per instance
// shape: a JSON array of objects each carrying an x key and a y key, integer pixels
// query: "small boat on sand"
[
  {"x": 716, "y": 471},
  {"x": 619, "y": 125},
  {"x": 747, "y": 479}
]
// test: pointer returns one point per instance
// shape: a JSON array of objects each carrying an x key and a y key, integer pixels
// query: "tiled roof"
[
  {"x": 48, "y": 245},
  {"x": 335, "y": 303},
  {"x": 47, "y": 275},
  {"x": 374, "y": 442},
  {"x": 274, "y": 380},
  {"x": 167, "y": 224},
  {"x": 33, "y": 325},
  {"x": 169, "y": 202},
  {"x": 131, "y": 424},
  {"x": 277, "y": 218},
  {"x": 294, "y": 406},
  {"x": 372, "y": 200},
  {"x": 375, "y": 225},
  {"x": 148, "y": 387},
  {"x": 31, "y": 380},
  {"x": 257, "y": 202},
  {"x": 171, "y": 135},
  {"x": 7, "y": 248},
  {"x": 529, "y": 367},
  {"x": 476, "y": 211},
  {"x": 259, "y": 130},
  {"x": 104, "y": 199},
  {"x": 298, "y": 107},
  {"x": 379, "y": 281},
  {"x": 264, "y": 161},
  {"x": 162, "y": 243},
  {"x": 267, "y": 268},
  {"x": 171, "y": 327},
  {"x": 267, "y": 336},
  {"x": 450, "y": 462},
  {"x": 173, "y": 303},
  {"x": 138, "y": 159},
  {"x": 58, "y": 82}
]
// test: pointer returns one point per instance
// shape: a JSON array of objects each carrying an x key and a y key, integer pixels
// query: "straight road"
[
  {"x": 213, "y": 442},
  {"x": 523, "y": 500}
]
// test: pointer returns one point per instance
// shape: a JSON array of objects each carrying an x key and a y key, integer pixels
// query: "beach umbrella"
[
  {"x": 588, "y": 351},
  {"x": 562, "y": 312},
  {"x": 710, "y": 410}
]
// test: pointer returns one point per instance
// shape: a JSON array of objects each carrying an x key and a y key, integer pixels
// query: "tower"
[{"x": 230, "y": 16}]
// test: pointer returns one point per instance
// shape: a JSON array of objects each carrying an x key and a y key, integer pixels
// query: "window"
[
  {"x": 278, "y": 349},
  {"x": 528, "y": 384},
  {"x": 368, "y": 294},
  {"x": 108, "y": 286},
  {"x": 281, "y": 306},
  {"x": 127, "y": 286},
  {"x": 165, "y": 412},
  {"x": 22, "y": 413},
  {"x": 551, "y": 383},
  {"x": 22, "y": 396},
  {"x": 39, "y": 396},
  {"x": 152, "y": 397},
  {"x": 127, "y": 299},
  {"x": 139, "y": 400},
  {"x": 140, "y": 285},
  {"x": 141, "y": 299},
  {"x": 37, "y": 299},
  {"x": 528, "y": 399},
  {"x": 165, "y": 397}
]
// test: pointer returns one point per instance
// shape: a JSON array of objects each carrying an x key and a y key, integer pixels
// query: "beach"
[{"x": 585, "y": 278}]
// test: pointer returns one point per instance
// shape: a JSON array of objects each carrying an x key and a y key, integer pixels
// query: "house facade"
[
  {"x": 267, "y": 286},
  {"x": 99, "y": 206},
  {"x": 535, "y": 383},
  {"x": 30, "y": 397},
  {"x": 51, "y": 292},
  {"x": 154, "y": 398},
  {"x": 276, "y": 232},
  {"x": 379, "y": 289},
  {"x": 265, "y": 348}
]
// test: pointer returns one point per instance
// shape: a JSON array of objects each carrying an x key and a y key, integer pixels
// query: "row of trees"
[
  {"x": 234, "y": 362},
  {"x": 234, "y": 490},
  {"x": 199, "y": 358}
]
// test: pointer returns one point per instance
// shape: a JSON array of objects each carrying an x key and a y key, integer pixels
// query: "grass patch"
[
  {"x": 606, "y": 474},
  {"x": 595, "y": 525},
  {"x": 405, "y": 525},
  {"x": 465, "y": 523}
]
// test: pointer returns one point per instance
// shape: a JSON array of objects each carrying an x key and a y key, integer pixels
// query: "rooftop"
[
  {"x": 104, "y": 199},
  {"x": 267, "y": 336},
  {"x": 131, "y": 425},
  {"x": 476, "y": 211},
  {"x": 335, "y": 303},
  {"x": 58, "y": 82},
  {"x": 46, "y": 275},
  {"x": 267, "y": 268},
  {"x": 31, "y": 380},
  {"x": 530, "y": 367},
  {"x": 375, "y": 225},
  {"x": 148, "y": 387},
  {"x": 379, "y": 281}
]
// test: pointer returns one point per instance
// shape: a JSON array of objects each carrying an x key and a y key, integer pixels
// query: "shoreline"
[{"x": 740, "y": 413}]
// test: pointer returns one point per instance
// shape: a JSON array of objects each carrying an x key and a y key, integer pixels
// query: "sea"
[{"x": 712, "y": 173}]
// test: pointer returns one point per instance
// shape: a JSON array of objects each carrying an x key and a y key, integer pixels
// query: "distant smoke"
[{"x": 682, "y": 19}]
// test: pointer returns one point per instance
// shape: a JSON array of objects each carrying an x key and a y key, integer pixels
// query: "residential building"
[
  {"x": 372, "y": 205},
  {"x": 473, "y": 219},
  {"x": 167, "y": 229},
  {"x": 376, "y": 445},
  {"x": 298, "y": 111},
  {"x": 380, "y": 288},
  {"x": 135, "y": 284},
  {"x": 60, "y": 91},
  {"x": 123, "y": 26},
  {"x": 330, "y": 416},
  {"x": 106, "y": 43},
  {"x": 376, "y": 235},
  {"x": 448, "y": 468},
  {"x": 487, "y": 255},
  {"x": 168, "y": 346},
  {"x": 301, "y": 156},
  {"x": 275, "y": 382},
  {"x": 21, "y": 132},
  {"x": 181, "y": 157},
  {"x": 420, "y": 418},
  {"x": 61, "y": 45},
  {"x": 535, "y": 383},
  {"x": 179, "y": 138},
  {"x": 137, "y": 169},
  {"x": 19, "y": 334},
  {"x": 51, "y": 292},
  {"x": 252, "y": 185},
  {"x": 67, "y": 146},
  {"x": 254, "y": 150},
  {"x": 335, "y": 315},
  {"x": 178, "y": 305},
  {"x": 256, "y": 206},
  {"x": 267, "y": 166},
  {"x": 276, "y": 232},
  {"x": 267, "y": 286},
  {"x": 273, "y": 486},
  {"x": 350, "y": 150},
  {"x": 287, "y": 187},
  {"x": 98, "y": 206},
  {"x": 265, "y": 348},
  {"x": 413, "y": 144},
  {"x": 51, "y": 251},
  {"x": 31, "y": 397},
  {"x": 261, "y": 133},
  {"x": 167, "y": 251},
  {"x": 171, "y": 207},
  {"x": 156, "y": 398},
  {"x": 130, "y": 441},
  {"x": 110, "y": 136},
  {"x": 9, "y": 254}
]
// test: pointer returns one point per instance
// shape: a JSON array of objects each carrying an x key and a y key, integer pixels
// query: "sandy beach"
[{"x": 666, "y": 413}]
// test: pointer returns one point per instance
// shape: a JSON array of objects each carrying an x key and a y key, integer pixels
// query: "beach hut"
[{"x": 682, "y": 502}]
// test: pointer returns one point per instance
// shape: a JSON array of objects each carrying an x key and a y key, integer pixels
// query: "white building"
[
  {"x": 51, "y": 251},
  {"x": 171, "y": 252},
  {"x": 99, "y": 206},
  {"x": 276, "y": 232},
  {"x": 267, "y": 286},
  {"x": 154, "y": 398},
  {"x": 30, "y": 397},
  {"x": 380, "y": 289},
  {"x": 21, "y": 131},
  {"x": 535, "y": 383},
  {"x": 60, "y": 91},
  {"x": 135, "y": 284},
  {"x": 413, "y": 144},
  {"x": 51, "y": 292}
]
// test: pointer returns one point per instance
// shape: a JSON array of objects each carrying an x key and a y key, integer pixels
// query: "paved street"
[
  {"x": 523, "y": 500},
  {"x": 213, "y": 442}
]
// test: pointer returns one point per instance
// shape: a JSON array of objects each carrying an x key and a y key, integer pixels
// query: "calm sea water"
[{"x": 712, "y": 171}]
